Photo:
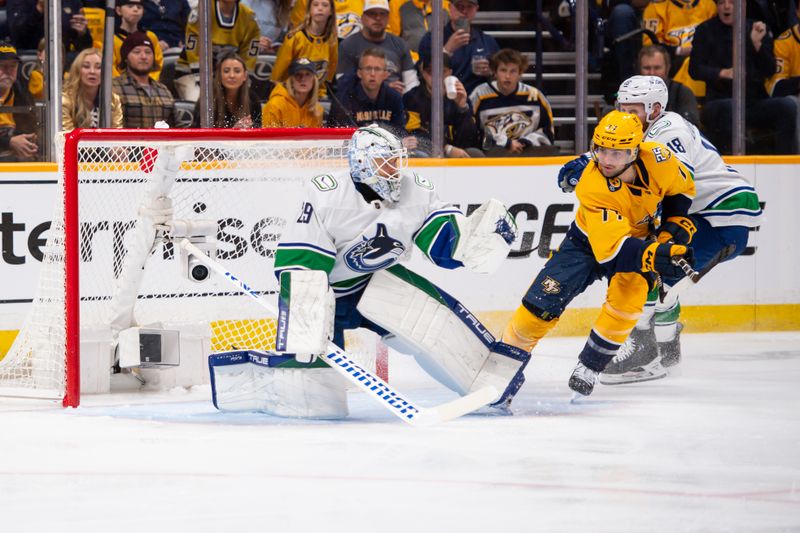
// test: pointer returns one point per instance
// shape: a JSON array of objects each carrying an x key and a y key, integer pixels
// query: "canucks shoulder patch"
[
  {"x": 324, "y": 183},
  {"x": 423, "y": 182}
]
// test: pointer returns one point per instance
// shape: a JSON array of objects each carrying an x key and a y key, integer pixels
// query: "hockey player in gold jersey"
[{"x": 621, "y": 193}]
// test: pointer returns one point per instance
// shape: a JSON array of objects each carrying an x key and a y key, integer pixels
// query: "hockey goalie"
[{"x": 338, "y": 264}]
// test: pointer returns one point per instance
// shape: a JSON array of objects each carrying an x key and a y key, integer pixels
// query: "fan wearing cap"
[
  {"x": 129, "y": 13},
  {"x": 622, "y": 191},
  {"x": 145, "y": 101},
  {"x": 460, "y": 130},
  {"x": 18, "y": 140},
  {"x": 294, "y": 103},
  {"x": 233, "y": 26},
  {"x": 402, "y": 75}
]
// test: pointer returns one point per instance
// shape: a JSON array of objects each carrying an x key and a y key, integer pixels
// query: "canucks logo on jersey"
[{"x": 374, "y": 253}]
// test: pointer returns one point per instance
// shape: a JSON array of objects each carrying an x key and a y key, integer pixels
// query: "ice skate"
[{"x": 582, "y": 380}]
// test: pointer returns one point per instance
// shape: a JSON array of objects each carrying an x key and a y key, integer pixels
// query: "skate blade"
[{"x": 622, "y": 379}]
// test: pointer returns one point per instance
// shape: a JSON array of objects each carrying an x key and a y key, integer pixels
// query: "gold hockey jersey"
[
  {"x": 348, "y": 15},
  {"x": 324, "y": 55},
  {"x": 787, "y": 56},
  {"x": 240, "y": 34},
  {"x": 674, "y": 21},
  {"x": 610, "y": 210}
]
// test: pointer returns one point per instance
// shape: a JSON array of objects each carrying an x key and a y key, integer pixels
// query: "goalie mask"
[
  {"x": 647, "y": 90},
  {"x": 376, "y": 159}
]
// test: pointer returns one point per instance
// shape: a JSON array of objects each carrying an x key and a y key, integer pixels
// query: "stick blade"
[{"x": 430, "y": 416}]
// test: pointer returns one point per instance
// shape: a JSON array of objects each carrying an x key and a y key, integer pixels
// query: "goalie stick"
[{"x": 365, "y": 380}]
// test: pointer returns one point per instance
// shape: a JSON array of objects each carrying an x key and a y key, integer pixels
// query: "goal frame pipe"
[{"x": 72, "y": 384}]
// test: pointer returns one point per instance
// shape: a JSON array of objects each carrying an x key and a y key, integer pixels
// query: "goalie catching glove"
[
  {"x": 306, "y": 310},
  {"x": 661, "y": 258},
  {"x": 486, "y": 237},
  {"x": 679, "y": 230}
]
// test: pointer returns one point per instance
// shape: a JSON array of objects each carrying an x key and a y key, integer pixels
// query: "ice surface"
[{"x": 716, "y": 448}]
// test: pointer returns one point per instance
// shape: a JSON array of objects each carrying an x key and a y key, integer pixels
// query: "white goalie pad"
[
  {"x": 306, "y": 309},
  {"x": 252, "y": 381},
  {"x": 486, "y": 237},
  {"x": 448, "y": 341}
]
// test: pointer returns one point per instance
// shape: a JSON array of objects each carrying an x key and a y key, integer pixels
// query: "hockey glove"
[
  {"x": 659, "y": 257},
  {"x": 570, "y": 174},
  {"x": 679, "y": 230}
]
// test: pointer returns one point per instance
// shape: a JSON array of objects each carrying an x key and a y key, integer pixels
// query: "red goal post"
[{"x": 236, "y": 178}]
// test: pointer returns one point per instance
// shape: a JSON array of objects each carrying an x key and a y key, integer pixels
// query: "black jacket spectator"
[
  {"x": 26, "y": 26},
  {"x": 480, "y": 45},
  {"x": 460, "y": 128},
  {"x": 352, "y": 106},
  {"x": 712, "y": 51},
  {"x": 167, "y": 19}
]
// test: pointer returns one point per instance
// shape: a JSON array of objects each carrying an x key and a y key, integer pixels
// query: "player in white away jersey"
[
  {"x": 338, "y": 265},
  {"x": 725, "y": 207}
]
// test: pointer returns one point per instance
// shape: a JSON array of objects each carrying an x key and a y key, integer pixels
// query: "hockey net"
[{"x": 103, "y": 269}]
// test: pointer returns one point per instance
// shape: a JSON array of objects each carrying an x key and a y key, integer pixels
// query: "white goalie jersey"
[
  {"x": 339, "y": 232},
  {"x": 724, "y": 197}
]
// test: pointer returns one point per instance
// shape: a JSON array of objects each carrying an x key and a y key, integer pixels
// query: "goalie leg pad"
[
  {"x": 251, "y": 381},
  {"x": 306, "y": 309},
  {"x": 446, "y": 339}
]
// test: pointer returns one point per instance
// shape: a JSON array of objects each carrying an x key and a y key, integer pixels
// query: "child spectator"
[
  {"x": 348, "y": 16},
  {"x": 314, "y": 39},
  {"x": 80, "y": 101},
  {"x": 129, "y": 13},
  {"x": 235, "y": 104},
  {"x": 294, "y": 103},
  {"x": 513, "y": 116}
]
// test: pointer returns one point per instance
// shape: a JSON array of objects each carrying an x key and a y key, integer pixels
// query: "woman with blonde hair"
[
  {"x": 235, "y": 103},
  {"x": 314, "y": 39},
  {"x": 80, "y": 101},
  {"x": 295, "y": 103}
]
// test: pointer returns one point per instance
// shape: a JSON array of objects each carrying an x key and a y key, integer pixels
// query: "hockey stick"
[
  {"x": 365, "y": 380},
  {"x": 693, "y": 276}
]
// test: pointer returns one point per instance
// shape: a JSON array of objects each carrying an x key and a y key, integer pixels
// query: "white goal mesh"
[{"x": 246, "y": 182}]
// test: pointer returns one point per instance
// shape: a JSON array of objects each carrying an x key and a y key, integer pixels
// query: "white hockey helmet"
[
  {"x": 376, "y": 159},
  {"x": 647, "y": 90}
]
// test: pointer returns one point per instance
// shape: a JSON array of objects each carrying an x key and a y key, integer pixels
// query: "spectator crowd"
[{"x": 358, "y": 62}]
